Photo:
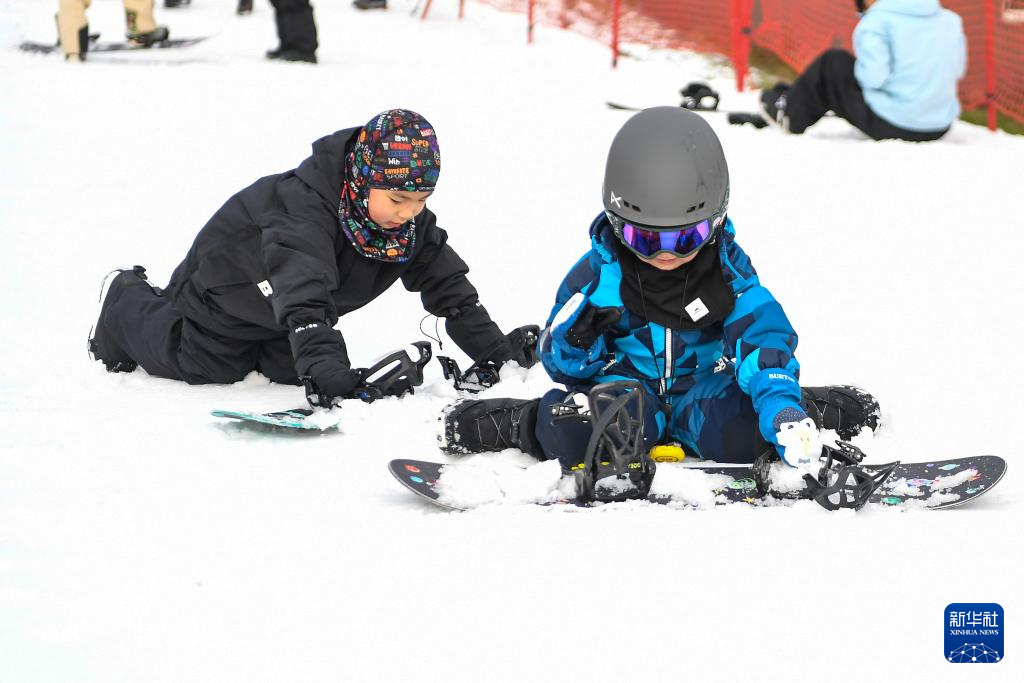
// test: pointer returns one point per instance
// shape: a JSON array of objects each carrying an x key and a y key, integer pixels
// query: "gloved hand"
[
  {"x": 519, "y": 345},
  {"x": 582, "y": 325},
  {"x": 333, "y": 382},
  {"x": 797, "y": 439}
]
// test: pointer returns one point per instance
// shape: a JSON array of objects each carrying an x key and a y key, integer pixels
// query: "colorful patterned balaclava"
[{"x": 396, "y": 150}]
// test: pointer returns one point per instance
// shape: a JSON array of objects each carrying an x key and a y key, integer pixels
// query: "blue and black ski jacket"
[{"x": 755, "y": 340}]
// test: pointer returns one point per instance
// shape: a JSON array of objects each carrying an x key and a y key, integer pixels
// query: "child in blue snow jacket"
[
  {"x": 902, "y": 83},
  {"x": 667, "y": 298}
]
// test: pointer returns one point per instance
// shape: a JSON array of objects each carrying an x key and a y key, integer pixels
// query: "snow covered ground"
[{"x": 143, "y": 540}]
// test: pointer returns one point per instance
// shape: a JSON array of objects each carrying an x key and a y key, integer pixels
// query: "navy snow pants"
[{"x": 714, "y": 420}]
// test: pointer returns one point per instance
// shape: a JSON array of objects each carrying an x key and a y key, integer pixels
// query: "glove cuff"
[{"x": 315, "y": 342}]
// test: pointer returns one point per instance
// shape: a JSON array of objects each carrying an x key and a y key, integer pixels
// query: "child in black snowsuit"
[{"x": 274, "y": 269}]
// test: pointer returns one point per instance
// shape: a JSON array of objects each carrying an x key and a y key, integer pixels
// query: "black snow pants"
[
  {"x": 146, "y": 326},
  {"x": 296, "y": 29},
  {"x": 829, "y": 84}
]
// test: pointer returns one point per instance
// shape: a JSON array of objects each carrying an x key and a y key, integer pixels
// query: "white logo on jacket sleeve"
[
  {"x": 265, "y": 287},
  {"x": 696, "y": 309}
]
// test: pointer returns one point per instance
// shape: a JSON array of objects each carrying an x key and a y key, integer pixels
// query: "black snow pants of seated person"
[{"x": 147, "y": 327}]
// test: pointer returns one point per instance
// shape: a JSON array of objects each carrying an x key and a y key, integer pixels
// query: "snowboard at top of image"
[
  {"x": 298, "y": 419},
  {"x": 112, "y": 46},
  {"x": 930, "y": 485},
  {"x": 735, "y": 118}
]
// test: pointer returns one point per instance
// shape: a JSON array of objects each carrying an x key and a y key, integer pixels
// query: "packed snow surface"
[{"x": 142, "y": 539}]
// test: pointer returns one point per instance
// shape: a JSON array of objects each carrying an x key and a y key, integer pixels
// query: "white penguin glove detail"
[{"x": 799, "y": 440}]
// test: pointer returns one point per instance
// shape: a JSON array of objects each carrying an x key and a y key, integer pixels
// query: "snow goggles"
[{"x": 646, "y": 241}]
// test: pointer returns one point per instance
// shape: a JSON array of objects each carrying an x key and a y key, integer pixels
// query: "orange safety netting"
[{"x": 796, "y": 31}]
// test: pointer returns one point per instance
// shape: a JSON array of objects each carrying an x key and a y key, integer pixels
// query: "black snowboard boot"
[
  {"x": 244, "y": 7},
  {"x": 291, "y": 56},
  {"x": 773, "y": 105},
  {"x": 150, "y": 38},
  {"x": 846, "y": 409},
  {"x": 370, "y": 4},
  {"x": 492, "y": 424},
  {"x": 101, "y": 346}
]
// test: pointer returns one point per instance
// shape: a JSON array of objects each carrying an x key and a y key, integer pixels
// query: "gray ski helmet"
[{"x": 666, "y": 168}]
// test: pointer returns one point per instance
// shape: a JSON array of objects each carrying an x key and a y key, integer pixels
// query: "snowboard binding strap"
[
  {"x": 484, "y": 374},
  {"x": 699, "y": 97},
  {"x": 396, "y": 374},
  {"x": 616, "y": 465},
  {"x": 842, "y": 481}
]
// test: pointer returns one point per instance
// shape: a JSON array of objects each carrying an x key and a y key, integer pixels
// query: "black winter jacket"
[{"x": 274, "y": 259}]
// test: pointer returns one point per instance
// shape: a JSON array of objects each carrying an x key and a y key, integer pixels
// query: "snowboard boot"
[
  {"x": 291, "y": 56},
  {"x": 174, "y": 4},
  {"x": 493, "y": 424},
  {"x": 83, "y": 47},
  {"x": 101, "y": 347},
  {"x": 244, "y": 7},
  {"x": 75, "y": 44},
  {"x": 773, "y": 106},
  {"x": 370, "y": 4},
  {"x": 846, "y": 409},
  {"x": 149, "y": 38}
]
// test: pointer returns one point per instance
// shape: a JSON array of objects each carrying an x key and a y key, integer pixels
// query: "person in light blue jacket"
[
  {"x": 666, "y": 300},
  {"x": 902, "y": 84}
]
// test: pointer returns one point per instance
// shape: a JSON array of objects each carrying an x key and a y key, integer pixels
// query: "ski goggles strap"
[{"x": 646, "y": 241}]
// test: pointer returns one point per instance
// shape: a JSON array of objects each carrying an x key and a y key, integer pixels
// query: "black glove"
[
  {"x": 590, "y": 324},
  {"x": 519, "y": 345},
  {"x": 332, "y": 382}
]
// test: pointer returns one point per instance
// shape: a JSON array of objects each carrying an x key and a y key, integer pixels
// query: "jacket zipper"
[{"x": 668, "y": 361}]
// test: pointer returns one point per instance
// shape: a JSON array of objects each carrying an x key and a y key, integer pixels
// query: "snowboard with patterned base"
[{"x": 932, "y": 485}]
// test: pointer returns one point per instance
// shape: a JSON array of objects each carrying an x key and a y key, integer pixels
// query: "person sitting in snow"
[
  {"x": 901, "y": 85},
  {"x": 666, "y": 297},
  {"x": 273, "y": 270}
]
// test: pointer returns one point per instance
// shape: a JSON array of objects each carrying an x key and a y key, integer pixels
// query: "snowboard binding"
[
  {"x": 484, "y": 374},
  {"x": 480, "y": 376},
  {"x": 699, "y": 97},
  {"x": 396, "y": 374},
  {"x": 616, "y": 465},
  {"x": 842, "y": 481}
]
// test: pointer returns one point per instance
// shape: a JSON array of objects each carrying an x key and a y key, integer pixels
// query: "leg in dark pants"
[
  {"x": 296, "y": 29},
  {"x": 275, "y": 361},
  {"x": 828, "y": 84},
  {"x": 717, "y": 420},
  {"x": 148, "y": 329}
]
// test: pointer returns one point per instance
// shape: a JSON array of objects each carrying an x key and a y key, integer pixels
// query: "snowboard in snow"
[
  {"x": 288, "y": 419},
  {"x": 931, "y": 485},
  {"x": 736, "y": 118},
  {"x": 112, "y": 46}
]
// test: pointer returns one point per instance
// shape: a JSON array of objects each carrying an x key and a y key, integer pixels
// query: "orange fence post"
[
  {"x": 740, "y": 15},
  {"x": 616, "y": 11}
]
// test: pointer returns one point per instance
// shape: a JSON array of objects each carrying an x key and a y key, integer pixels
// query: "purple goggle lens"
[{"x": 680, "y": 241}]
